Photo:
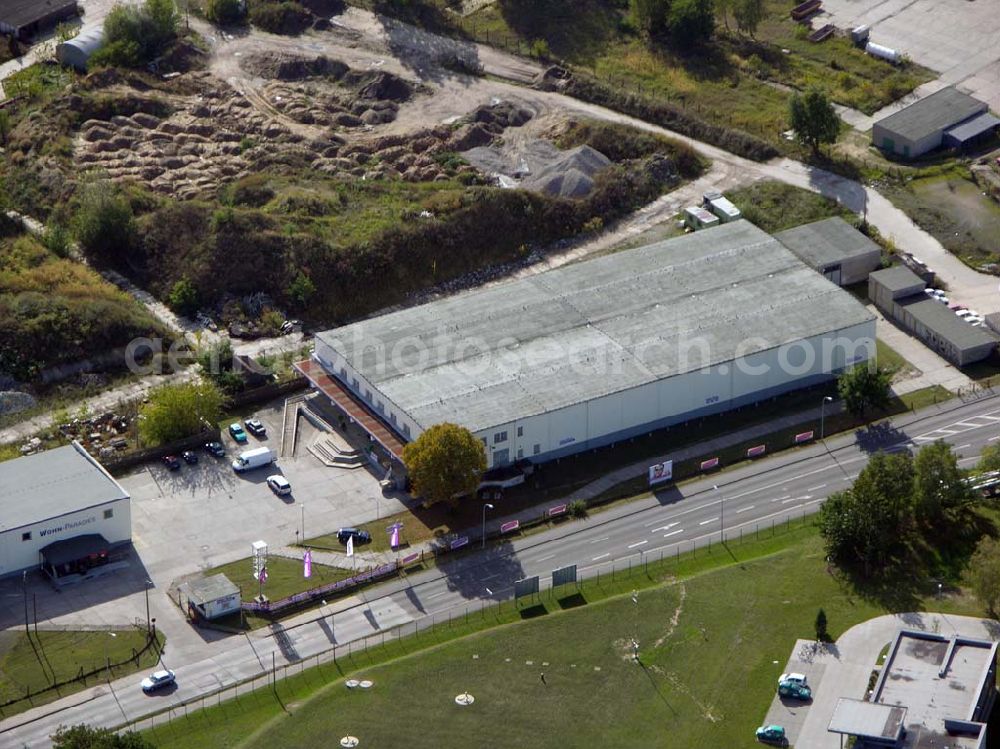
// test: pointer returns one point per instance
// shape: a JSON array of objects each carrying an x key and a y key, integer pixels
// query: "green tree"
[
  {"x": 136, "y": 34},
  {"x": 864, "y": 387},
  {"x": 224, "y": 11},
  {"x": 813, "y": 119},
  {"x": 983, "y": 574},
  {"x": 939, "y": 487},
  {"x": 178, "y": 411},
  {"x": 301, "y": 290},
  {"x": 445, "y": 462},
  {"x": 87, "y": 737},
  {"x": 748, "y": 15},
  {"x": 183, "y": 297},
  {"x": 651, "y": 15},
  {"x": 871, "y": 522},
  {"x": 104, "y": 224},
  {"x": 691, "y": 22},
  {"x": 821, "y": 633},
  {"x": 989, "y": 459}
]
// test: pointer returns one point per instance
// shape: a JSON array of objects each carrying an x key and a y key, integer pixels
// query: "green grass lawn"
[
  {"x": 30, "y": 664},
  {"x": 775, "y": 206},
  {"x": 714, "y": 632},
  {"x": 284, "y": 577}
]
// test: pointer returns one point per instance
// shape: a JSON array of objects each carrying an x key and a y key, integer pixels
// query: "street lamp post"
[
  {"x": 822, "y": 415},
  {"x": 303, "y": 523},
  {"x": 148, "y": 583},
  {"x": 722, "y": 513},
  {"x": 485, "y": 508}
]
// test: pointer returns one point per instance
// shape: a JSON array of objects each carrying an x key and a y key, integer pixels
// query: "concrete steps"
[{"x": 330, "y": 454}]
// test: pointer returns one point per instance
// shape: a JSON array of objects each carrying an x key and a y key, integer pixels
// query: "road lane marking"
[
  {"x": 664, "y": 527},
  {"x": 962, "y": 447},
  {"x": 601, "y": 557},
  {"x": 550, "y": 556},
  {"x": 598, "y": 540},
  {"x": 814, "y": 488},
  {"x": 744, "y": 509},
  {"x": 638, "y": 543},
  {"x": 993, "y": 439},
  {"x": 437, "y": 595},
  {"x": 706, "y": 522},
  {"x": 673, "y": 533}
]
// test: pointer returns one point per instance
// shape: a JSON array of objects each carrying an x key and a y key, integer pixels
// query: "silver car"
[
  {"x": 157, "y": 680},
  {"x": 279, "y": 485}
]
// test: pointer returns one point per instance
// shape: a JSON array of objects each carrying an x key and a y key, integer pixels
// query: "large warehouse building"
[
  {"x": 25, "y": 18},
  {"x": 61, "y": 511},
  {"x": 946, "y": 118},
  {"x": 595, "y": 352}
]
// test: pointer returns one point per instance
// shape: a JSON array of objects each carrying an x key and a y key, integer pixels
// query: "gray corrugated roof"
[
  {"x": 52, "y": 483},
  {"x": 939, "y": 111},
  {"x": 945, "y": 322},
  {"x": 827, "y": 242},
  {"x": 498, "y": 354},
  {"x": 897, "y": 278},
  {"x": 973, "y": 127},
  {"x": 18, "y": 13},
  {"x": 206, "y": 589}
]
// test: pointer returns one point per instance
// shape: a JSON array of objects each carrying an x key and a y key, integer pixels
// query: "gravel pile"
[{"x": 542, "y": 167}]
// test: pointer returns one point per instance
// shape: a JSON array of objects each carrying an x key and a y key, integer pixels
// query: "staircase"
[
  {"x": 289, "y": 426},
  {"x": 336, "y": 456}
]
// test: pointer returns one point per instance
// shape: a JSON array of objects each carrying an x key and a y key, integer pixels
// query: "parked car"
[
  {"x": 793, "y": 677},
  {"x": 190, "y": 457},
  {"x": 157, "y": 680},
  {"x": 216, "y": 449},
  {"x": 255, "y": 427},
  {"x": 237, "y": 433},
  {"x": 359, "y": 536},
  {"x": 965, "y": 313},
  {"x": 772, "y": 735},
  {"x": 279, "y": 485},
  {"x": 794, "y": 690},
  {"x": 958, "y": 307},
  {"x": 171, "y": 462}
]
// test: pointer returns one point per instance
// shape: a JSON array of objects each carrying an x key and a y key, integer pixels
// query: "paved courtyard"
[{"x": 957, "y": 38}]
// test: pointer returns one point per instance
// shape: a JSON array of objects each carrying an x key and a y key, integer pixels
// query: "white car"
[
  {"x": 792, "y": 677},
  {"x": 157, "y": 680},
  {"x": 965, "y": 314},
  {"x": 279, "y": 484}
]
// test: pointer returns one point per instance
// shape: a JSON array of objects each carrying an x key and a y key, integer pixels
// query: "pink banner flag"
[
  {"x": 262, "y": 577},
  {"x": 394, "y": 538},
  {"x": 307, "y": 563}
]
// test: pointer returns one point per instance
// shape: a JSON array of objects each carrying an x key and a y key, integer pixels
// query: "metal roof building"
[
  {"x": 49, "y": 499},
  {"x": 76, "y": 52},
  {"x": 833, "y": 248},
  {"x": 947, "y": 117},
  {"x": 598, "y": 351},
  {"x": 25, "y": 18},
  {"x": 933, "y": 691},
  {"x": 898, "y": 292}
]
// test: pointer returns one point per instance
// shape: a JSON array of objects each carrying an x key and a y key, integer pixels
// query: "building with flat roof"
[
  {"x": 945, "y": 118},
  {"x": 833, "y": 248},
  {"x": 25, "y": 18},
  {"x": 211, "y": 597},
  {"x": 595, "y": 352},
  {"x": 933, "y": 691},
  {"x": 61, "y": 510},
  {"x": 899, "y": 293}
]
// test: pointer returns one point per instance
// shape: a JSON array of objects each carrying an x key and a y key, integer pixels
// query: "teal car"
[
  {"x": 772, "y": 735},
  {"x": 237, "y": 433},
  {"x": 794, "y": 690}
]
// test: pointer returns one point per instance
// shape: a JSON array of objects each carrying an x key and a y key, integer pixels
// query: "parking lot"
[
  {"x": 957, "y": 38},
  {"x": 206, "y": 514}
]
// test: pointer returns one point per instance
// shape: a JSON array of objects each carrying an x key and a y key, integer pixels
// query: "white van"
[{"x": 256, "y": 458}]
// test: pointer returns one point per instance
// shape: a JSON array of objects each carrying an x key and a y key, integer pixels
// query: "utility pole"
[
  {"x": 24, "y": 589},
  {"x": 822, "y": 416},
  {"x": 722, "y": 514}
]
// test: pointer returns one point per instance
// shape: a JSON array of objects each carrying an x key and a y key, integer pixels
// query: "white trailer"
[
  {"x": 721, "y": 207},
  {"x": 699, "y": 218}
]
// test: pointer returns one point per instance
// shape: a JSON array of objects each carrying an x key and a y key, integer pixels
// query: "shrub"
[
  {"x": 224, "y": 11},
  {"x": 104, "y": 225},
  {"x": 280, "y": 18},
  {"x": 183, "y": 297},
  {"x": 540, "y": 49},
  {"x": 136, "y": 34},
  {"x": 578, "y": 508}
]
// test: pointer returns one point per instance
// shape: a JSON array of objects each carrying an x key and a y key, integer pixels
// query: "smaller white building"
[
  {"x": 62, "y": 511},
  {"x": 211, "y": 597}
]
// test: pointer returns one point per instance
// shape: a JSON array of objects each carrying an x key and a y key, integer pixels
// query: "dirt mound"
[
  {"x": 378, "y": 86},
  {"x": 291, "y": 68},
  {"x": 542, "y": 167}
]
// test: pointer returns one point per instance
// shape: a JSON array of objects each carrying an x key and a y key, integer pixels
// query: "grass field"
[
  {"x": 714, "y": 632},
  {"x": 32, "y": 664},
  {"x": 954, "y": 210},
  {"x": 284, "y": 577},
  {"x": 775, "y": 206}
]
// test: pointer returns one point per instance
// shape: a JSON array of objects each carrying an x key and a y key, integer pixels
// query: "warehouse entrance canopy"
[
  {"x": 352, "y": 406},
  {"x": 73, "y": 556}
]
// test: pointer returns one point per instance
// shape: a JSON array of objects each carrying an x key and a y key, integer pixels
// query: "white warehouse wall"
[{"x": 17, "y": 554}]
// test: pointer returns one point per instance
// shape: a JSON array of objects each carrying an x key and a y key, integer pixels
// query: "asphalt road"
[{"x": 770, "y": 490}]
